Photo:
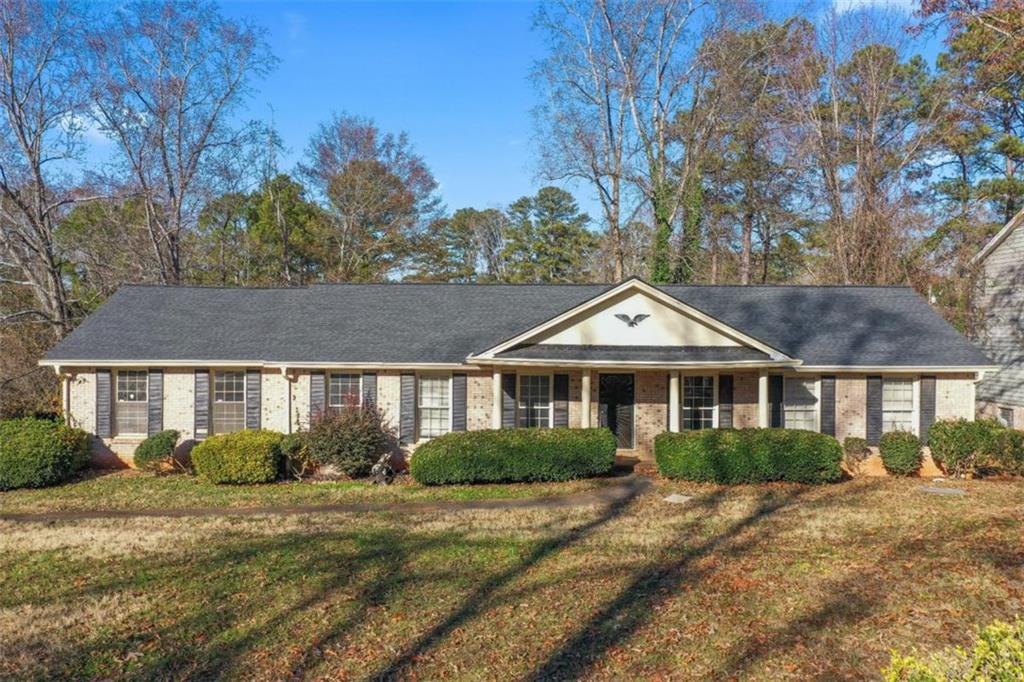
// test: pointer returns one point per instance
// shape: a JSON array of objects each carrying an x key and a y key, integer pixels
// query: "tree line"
[{"x": 724, "y": 142}]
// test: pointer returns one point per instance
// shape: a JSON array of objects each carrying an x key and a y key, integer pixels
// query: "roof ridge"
[{"x": 298, "y": 287}]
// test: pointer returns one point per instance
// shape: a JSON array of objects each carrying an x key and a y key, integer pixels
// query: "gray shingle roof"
[{"x": 444, "y": 323}]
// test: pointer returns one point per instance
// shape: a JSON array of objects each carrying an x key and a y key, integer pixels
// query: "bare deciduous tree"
[
  {"x": 167, "y": 79},
  {"x": 41, "y": 104}
]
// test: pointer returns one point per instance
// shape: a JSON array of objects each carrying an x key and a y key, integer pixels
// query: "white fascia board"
[{"x": 638, "y": 285}]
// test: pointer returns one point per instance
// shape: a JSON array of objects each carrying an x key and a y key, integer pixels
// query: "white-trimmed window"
[
  {"x": 534, "y": 401},
  {"x": 800, "y": 403},
  {"x": 698, "y": 402},
  {"x": 434, "y": 399},
  {"x": 344, "y": 390},
  {"x": 897, "y": 405},
  {"x": 131, "y": 411},
  {"x": 228, "y": 405}
]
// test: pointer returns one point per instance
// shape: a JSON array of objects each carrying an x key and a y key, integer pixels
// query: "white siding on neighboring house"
[{"x": 1002, "y": 330}]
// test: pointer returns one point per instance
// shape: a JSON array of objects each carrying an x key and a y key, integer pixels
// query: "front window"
[
  {"x": 800, "y": 403},
  {"x": 698, "y": 402},
  {"x": 434, "y": 396},
  {"x": 343, "y": 390},
  {"x": 534, "y": 401},
  {"x": 132, "y": 409},
  {"x": 228, "y": 402},
  {"x": 897, "y": 405}
]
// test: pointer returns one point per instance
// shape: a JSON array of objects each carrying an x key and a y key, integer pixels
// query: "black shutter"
[
  {"x": 252, "y": 398},
  {"x": 828, "y": 405},
  {"x": 156, "y": 401},
  {"x": 104, "y": 425},
  {"x": 874, "y": 410},
  {"x": 508, "y": 401},
  {"x": 317, "y": 393},
  {"x": 725, "y": 401},
  {"x": 458, "y": 402},
  {"x": 369, "y": 388},
  {"x": 560, "y": 393},
  {"x": 778, "y": 418},
  {"x": 202, "y": 405},
  {"x": 927, "y": 407},
  {"x": 407, "y": 409}
]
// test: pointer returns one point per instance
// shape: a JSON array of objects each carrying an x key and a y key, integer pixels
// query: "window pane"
[
  {"x": 434, "y": 404},
  {"x": 897, "y": 405},
  {"x": 698, "y": 402},
  {"x": 131, "y": 411},
  {"x": 534, "y": 401},
  {"x": 800, "y": 402},
  {"x": 343, "y": 390},
  {"x": 228, "y": 402},
  {"x": 131, "y": 385}
]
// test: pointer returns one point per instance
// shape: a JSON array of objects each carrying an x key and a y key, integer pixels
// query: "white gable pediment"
[
  {"x": 661, "y": 326},
  {"x": 611, "y": 319}
]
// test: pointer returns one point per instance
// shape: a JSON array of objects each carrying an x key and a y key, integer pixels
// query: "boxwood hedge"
[
  {"x": 39, "y": 452},
  {"x": 900, "y": 452},
  {"x": 513, "y": 455},
  {"x": 964, "y": 447},
  {"x": 749, "y": 456},
  {"x": 240, "y": 457},
  {"x": 156, "y": 450}
]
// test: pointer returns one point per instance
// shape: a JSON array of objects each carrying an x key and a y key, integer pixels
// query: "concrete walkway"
[{"x": 628, "y": 487}]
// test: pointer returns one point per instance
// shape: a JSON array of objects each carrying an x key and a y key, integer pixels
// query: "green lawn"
[
  {"x": 138, "y": 490},
  {"x": 759, "y": 582}
]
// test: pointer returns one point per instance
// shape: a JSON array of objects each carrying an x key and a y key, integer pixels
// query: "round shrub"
[
  {"x": 514, "y": 455},
  {"x": 350, "y": 439},
  {"x": 240, "y": 457},
  {"x": 730, "y": 456},
  {"x": 35, "y": 453},
  {"x": 963, "y": 447},
  {"x": 1008, "y": 452},
  {"x": 156, "y": 450},
  {"x": 901, "y": 453}
]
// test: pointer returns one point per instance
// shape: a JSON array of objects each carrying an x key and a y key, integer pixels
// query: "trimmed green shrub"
[
  {"x": 35, "y": 453},
  {"x": 749, "y": 456},
  {"x": 350, "y": 439},
  {"x": 157, "y": 450},
  {"x": 1008, "y": 452},
  {"x": 901, "y": 453},
  {"x": 964, "y": 447},
  {"x": 855, "y": 451},
  {"x": 514, "y": 455},
  {"x": 295, "y": 450},
  {"x": 997, "y": 654},
  {"x": 240, "y": 457}
]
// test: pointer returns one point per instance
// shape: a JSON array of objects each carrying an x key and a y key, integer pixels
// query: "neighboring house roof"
[
  {"x": 1000, "y": 236},
  {"x": 445, "y": 323}
]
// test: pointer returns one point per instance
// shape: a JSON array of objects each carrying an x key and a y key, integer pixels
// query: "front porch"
[{"x": 636, "y": 403}]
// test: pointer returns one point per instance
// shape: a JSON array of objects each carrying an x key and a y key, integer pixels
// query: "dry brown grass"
[{"x": 752, "y": 582}]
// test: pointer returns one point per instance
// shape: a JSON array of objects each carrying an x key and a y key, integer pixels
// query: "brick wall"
[
  {"x": 851, "y": 406},
  {"x": 479, "y": 400},
  {"x": 651, "y": 409},
  {"x": 744, "y": 397},
  {"x": 274, "y": 388},
  {"x": 179, "y": 401},
  {"x": 82, "y": 401},
  {"x": 954, "y": 396},
  {"x": 300, "y": 401}
]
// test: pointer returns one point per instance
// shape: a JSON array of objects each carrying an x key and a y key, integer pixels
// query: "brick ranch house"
[{"x": 639, "y": 359}]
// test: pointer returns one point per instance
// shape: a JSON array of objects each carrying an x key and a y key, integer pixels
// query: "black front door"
[{"x": 615, "y": 401}]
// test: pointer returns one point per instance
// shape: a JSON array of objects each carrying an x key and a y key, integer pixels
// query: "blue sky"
[{"x": 452, "y": 75}]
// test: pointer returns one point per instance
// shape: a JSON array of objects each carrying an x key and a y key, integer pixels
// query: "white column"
[
  {"x": 673, "y": 401},
  {"x": 762, "y": 399},
  {"x": 585, "y": 400},
  {"x": 496, "y": 399}
]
